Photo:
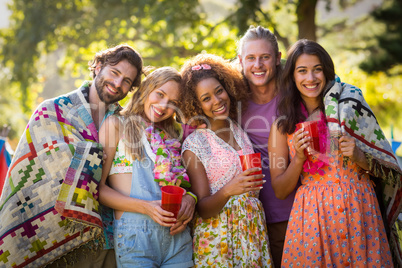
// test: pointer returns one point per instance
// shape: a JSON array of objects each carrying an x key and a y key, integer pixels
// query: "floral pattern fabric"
[
  {"x": 237, "y": 236},
  {"x": 168, "y": 169},
  {"x": 335, "y": 219},
  {"x": 122, "y": 163}
]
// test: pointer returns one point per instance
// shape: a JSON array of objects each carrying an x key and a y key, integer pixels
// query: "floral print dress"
[
  {"x": 237, "y": 236},
  {"x": 335, "y": 219}
]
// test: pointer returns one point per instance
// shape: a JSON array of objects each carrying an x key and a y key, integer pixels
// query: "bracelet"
[{"x": 193, "y": 195}]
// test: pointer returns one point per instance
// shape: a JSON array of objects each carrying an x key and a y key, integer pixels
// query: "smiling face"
[
  {"x": 259, "y": 63},
  {"x": 309, "y": 77},
  {"x": 213, "y": 98},
  {"x": 113, "y": 82},
  {"x": 162, "y": 102}
]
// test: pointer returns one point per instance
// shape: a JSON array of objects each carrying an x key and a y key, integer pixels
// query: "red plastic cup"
[
  {"x": 251, "y": 161},
  {"x": 171, "y": 198},
  {"x": 312, "y": 128}
]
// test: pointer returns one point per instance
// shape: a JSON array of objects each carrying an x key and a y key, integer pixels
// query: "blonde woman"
[{"x": 145, "y": 235}]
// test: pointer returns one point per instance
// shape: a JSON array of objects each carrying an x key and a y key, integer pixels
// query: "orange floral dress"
[{"x": 335, "y": 219}]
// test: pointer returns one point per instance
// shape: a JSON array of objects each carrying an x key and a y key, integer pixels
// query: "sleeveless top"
[{"x": 122, "y": 161}]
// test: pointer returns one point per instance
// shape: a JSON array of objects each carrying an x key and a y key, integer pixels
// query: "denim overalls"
[{"x": 138, "y": 240}]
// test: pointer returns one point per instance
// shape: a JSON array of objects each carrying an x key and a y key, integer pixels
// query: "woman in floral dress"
[
  {"x": 229, "y": 226},
  {"x": 335, "y": 220}
]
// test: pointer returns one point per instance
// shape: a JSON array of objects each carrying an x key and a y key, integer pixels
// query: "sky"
[
  {"x": 4, "y": 13},
  {"x": 359, "y": 9}
]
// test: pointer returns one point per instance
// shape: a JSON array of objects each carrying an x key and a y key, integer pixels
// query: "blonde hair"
[
  {"x": 134, "y": 112},
  {"x": 258, "y": 33}
]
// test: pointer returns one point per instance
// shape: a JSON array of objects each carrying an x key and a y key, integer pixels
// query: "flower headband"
[{"x": 202, "y": 66}]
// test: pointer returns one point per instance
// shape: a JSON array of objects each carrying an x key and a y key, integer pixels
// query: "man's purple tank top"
[{"x": 257, "y": 121}]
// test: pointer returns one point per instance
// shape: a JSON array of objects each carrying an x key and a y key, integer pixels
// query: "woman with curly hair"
[{"x": 229, "y": 226}]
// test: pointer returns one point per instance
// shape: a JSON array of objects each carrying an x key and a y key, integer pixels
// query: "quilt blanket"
[
  {"x": 49, "y": 204},
  {"x": 347, "y": 111}
]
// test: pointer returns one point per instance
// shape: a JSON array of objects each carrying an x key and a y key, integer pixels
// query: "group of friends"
[{"x": 81, "y": 188}]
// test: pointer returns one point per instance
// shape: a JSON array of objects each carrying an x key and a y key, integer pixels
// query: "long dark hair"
[{"x": 289, "y": 106}]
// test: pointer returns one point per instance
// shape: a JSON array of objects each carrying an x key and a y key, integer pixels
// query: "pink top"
[{"x": 221, "y": 161}]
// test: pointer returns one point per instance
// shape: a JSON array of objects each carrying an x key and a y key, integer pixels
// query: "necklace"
[{"x": 168, "y": 169}]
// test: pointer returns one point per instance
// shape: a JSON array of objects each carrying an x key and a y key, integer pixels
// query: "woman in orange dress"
[{"x": 335, "y": 220}]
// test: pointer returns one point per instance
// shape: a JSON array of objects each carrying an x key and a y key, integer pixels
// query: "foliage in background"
[
  {"x": 11, "y": 112},
  {"x": 386, "y": 52},
  {"x": 349, "y": 43}
]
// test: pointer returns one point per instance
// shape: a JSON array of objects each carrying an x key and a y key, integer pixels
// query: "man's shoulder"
[
  {"x": 76, "y": 94},
  {"x": 79, "y": 94},
  {"x": 61, "y": 105}
]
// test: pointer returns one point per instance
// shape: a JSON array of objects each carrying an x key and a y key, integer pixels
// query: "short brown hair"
[{"x": 113, "y": 56}]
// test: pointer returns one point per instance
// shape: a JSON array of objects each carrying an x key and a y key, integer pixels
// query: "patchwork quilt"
[{"x": 49, "y": 204}]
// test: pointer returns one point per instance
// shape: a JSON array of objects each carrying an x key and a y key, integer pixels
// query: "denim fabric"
[{"x": 141, "y": 242}]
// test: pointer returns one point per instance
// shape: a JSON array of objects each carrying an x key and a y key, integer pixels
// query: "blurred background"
[{"x": 45, "y": 45}]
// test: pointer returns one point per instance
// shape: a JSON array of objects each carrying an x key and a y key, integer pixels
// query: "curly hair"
[
  {"x": 113, "y": 56},
  {"x": 222, "y": 70}
]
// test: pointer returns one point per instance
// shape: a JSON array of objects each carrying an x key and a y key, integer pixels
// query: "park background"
[{"x": 45, "y": 45}]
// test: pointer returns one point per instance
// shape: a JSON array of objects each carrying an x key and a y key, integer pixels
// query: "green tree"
[
  {"x": 11, "y": 113},
  {"x": 252, "y": 12},
  {"x": 165, "y": 32},
  {"x": 350, "y": 42},
  {"x": 386, "y": 52}
]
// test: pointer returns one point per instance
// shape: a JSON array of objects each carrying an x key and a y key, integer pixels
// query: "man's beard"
[{"x": 104, "y": 96}]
